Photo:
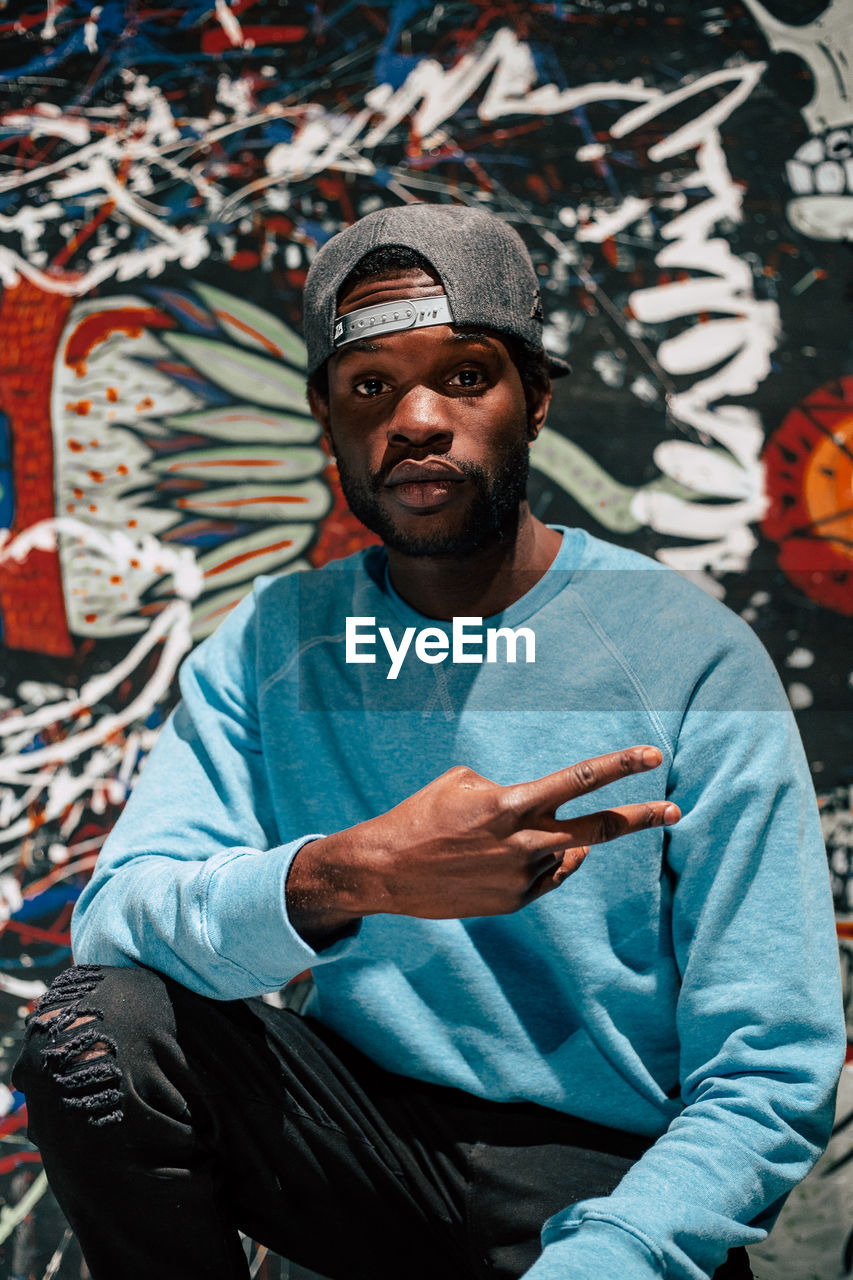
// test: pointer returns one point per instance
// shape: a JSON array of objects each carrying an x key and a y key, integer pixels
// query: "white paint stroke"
[
  {"x": 113, "y": 544},
  {"x": 54, "y": 8},
  {"x": 439, "y": 94},
  {"x": 90, "y": 28},
  {"x": 606, "y": 223},
  {"x": 706, "y": 471},
  {"x": 27, "y": 177},
  {"x": 11, "y": 1215},
  {"x": 64, "y": 789},
  {"x": 741, "y": 346},
  {"x": 172, "y": 625},
  {"x": 191, "y": 249},
  {"x": 38, "y": 124},
  {"x": 666, "y": 513},
  {"x": 320, "y": 145},
  {"x": 728, "y": 555},
  {"x": 74, "y": 864},
  {"x": 11, "y": 898},
  {"x": 725, "y": 287},
  {"x": 103, "y": 176},
  {"x": 690, "y": 135},
  {"x": 31, "y": 217},
  {"x": 44, "y": 772},
  {"x": 229, "y": 23},
  {"x": 58, "y": 789},
  {"x": 24, "y": 989}
]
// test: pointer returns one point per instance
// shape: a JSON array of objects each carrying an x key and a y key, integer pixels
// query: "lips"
[
  {"x": 411, "y": 472},
  {"x": 424, "y": 486}
]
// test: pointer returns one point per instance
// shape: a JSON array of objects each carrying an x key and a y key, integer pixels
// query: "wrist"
[{"x": 321, "y": 891}]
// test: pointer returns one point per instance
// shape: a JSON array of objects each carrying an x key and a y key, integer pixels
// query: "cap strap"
[{"x": 388, "y": 317}]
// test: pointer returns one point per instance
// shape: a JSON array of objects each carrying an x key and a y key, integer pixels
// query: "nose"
[{"x": 420, "y": 419}]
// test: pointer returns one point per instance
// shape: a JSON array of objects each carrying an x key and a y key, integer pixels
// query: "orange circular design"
[{"x": 809, "y": 476}]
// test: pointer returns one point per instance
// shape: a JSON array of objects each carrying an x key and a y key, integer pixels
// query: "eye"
[
  {"x": 470, "y": 379},
  {"x": 370, "y": 387}
]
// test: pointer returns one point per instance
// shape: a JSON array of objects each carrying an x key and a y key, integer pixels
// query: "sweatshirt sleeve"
[
  {"x": 759, "y": 1013},
  {"x": 191, "y": 881}
]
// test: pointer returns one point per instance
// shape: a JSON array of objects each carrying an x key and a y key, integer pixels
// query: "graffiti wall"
[{"x": 683, "y": 177}]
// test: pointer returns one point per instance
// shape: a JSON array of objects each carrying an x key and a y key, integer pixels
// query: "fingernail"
[
  {"x": 651, "y": 756},
  {"x": 671, "y": 813}
]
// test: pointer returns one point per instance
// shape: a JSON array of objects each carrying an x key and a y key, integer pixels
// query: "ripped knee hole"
[
  {"x": 81, "y": 1057},
  {"x": 99, "y": 1048}
]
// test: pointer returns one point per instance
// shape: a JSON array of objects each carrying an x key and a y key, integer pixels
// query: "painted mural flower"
[{"x": 176, "y": 420}]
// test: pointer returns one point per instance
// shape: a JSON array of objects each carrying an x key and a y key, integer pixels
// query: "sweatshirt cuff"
[
  {"x": 592, "y": 1247},
  {"x": 245, "y": 915}
]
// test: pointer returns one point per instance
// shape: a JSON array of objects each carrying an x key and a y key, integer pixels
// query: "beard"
[{"x": 491, "y": 516}]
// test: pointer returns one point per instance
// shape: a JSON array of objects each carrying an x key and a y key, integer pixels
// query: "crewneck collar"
[{"x": 552, "y": 581}]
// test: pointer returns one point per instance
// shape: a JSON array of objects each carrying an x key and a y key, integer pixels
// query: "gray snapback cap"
[{"x": 482, "y": 262}]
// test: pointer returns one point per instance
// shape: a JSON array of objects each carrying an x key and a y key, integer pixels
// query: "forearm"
[
  {"x": 701, "y": 1191},
  {"x": 218, "y": 926}
]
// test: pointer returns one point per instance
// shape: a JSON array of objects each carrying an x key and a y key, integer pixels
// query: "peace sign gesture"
[{"x": 465, "y": 846}]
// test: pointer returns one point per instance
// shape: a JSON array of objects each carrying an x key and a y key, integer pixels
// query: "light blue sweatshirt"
[{"x": 683, "y": 983}]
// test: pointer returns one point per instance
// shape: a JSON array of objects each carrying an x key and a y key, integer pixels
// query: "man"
[{"x": 528, "y": 1055}]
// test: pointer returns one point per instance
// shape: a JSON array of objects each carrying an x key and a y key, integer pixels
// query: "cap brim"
[{"x": 557, "y": 367}]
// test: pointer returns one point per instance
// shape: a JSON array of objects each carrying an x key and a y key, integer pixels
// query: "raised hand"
[{"x": 464, "y": 846}]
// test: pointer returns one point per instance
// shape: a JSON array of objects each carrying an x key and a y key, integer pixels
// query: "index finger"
[{"x": 581, "y": 778}]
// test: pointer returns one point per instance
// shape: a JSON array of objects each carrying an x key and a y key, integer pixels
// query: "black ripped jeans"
[{"x": 168, "y": 1121}]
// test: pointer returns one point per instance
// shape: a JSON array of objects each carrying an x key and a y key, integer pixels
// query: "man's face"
[{"x": 430, "y": 428}]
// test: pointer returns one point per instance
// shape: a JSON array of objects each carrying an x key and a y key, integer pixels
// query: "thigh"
[
  {"x": 516, "y": 1165},
  {"x": 514, "y": 1189},
  {"x": 522, "y": 1163},
  {"x": 489, "y": 1173},
  {"x": 314, "y": 1164}
]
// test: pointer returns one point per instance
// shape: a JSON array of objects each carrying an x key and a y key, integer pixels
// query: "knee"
[{"x": 77, "y": 1035}]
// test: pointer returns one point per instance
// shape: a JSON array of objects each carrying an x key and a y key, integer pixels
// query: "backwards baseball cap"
[{"x": 481, "y": 261}]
